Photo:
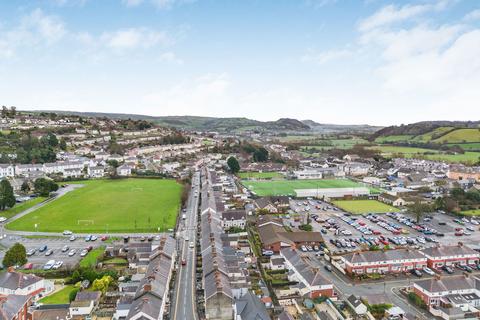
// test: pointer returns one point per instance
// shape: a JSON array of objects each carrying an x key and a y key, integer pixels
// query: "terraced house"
[
  {"x": 383, "y": 262},
  {"x": 440, "y": 256}
]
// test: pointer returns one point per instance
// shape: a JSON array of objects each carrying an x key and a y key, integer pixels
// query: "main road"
[{"x": 183, "y": 300}]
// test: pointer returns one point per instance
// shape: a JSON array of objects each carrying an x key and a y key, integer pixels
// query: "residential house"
[
  {"x": 234, "y": 219},
  {"x": 124, "y": 170},
  {"x": 14, "y": 307},
  {"x": 392, "y": 200},
  {"x": 250, "y": 307},
  {"x": 96, "y": 171},
  {"x": 439, "y": 256},
  {"x": 6, "y": 170},
  {"x": 357, "y": 305},
  {"x": 383, "y": 262},
  {"x": 13, "y": 282},
  {"x": 310, "y": 280}
]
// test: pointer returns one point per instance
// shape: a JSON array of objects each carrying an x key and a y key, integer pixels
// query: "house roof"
[
  {"x": 444, "y": 251},
  {"x": 11, "y": 305},
  {"x": 309, "y": 273},
  {"x": 379, "y": 256},
  {"x": 14, "y": 280},
  {"x": 452, "y": 283},
  {"x": 250, "y": 307}
]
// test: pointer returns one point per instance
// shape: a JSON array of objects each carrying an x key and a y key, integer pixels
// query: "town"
[{"x": 114, "y": 218}]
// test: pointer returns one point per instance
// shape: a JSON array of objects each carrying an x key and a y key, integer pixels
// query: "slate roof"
[
  {"x": 379, "y": 256},
  {"x": 11, "y": 305},
  {"x": 311, "y": 275},
  {"x": 452, "y": 283},
  {"x": 16, "y": 280},
  {"x": 443, "y": 251},
  {"x": 250, "y": 307}
]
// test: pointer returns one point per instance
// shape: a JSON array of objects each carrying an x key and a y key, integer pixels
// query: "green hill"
[{"x": 460, "y": 136}]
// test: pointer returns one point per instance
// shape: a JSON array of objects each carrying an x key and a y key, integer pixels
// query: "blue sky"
[{"x": 333, "y": 61}]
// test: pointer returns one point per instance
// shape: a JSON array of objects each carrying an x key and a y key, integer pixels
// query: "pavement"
[{"x": 184, "y": 300}]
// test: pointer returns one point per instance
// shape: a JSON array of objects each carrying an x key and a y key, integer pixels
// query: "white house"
[
  {"x": 96, "y": 171},
  {"x": 6, "y": 170},
  {"x": 13, "y": 282},
  {"x": 124, "y": 170}
]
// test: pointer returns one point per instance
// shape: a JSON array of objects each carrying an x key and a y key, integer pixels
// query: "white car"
[
  {"x": 83, "y": 253},
  {"x": 65, "y": 248},
  {"x": 72, "y": 252},
  {"x": 72, "y": 238},
  {"x": 428, "y": 271},
  {"x": 57, "y": 265},
  {"x": 67, "y": 233},
  {"x": 49, "y": 265},
  {"x": 191, "y": 244},
  {"x": 3, "y": 219},
  {"x": 93, "y": 238}
]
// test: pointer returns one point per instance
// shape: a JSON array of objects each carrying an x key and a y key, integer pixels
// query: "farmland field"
[
  {"x": 431, "y": 135},
  {"x": 260, "y": 175},
  {"x": 364, "y": 206},
  {"x": 389, "y": 139},
  {"x": 403, "y": 150},
  {"x": 467, "y": 157},
  {"x": 124, "y": 205},
  {"x": 472, "y": 146},
  {"x": 287, "y": 187},
  {"x": 460, "y": 135}
]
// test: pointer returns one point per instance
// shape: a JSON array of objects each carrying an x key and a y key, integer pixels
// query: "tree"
[
  {"x": 15, "y": 256},
  {"x": 25, "y": 186},
  {"x": 63, "y": 144},
  {"x": 419, "y": 209},
  {"x": 102, "y": 284},
  {"x": 233, "y": 165},
  {"x": 7, "y": 198},
  {"x": 260, "y": 155},
  {"x": 44, "y": 186}
]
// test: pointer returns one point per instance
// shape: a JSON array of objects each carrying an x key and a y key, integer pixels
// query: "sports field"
[
  {"x": 124, "y": 205},
  {"x": 364, "y": 206},
  {"x": 471, "y": 212},
  {"x": 287, "y": 187},
  {"x": 260, "y": 175}
]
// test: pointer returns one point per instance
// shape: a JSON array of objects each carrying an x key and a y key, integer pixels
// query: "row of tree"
[{"x": 42, "y": 187}]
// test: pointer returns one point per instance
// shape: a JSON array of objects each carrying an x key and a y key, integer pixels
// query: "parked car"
[
  {"x": 72, "y": 238},
  {"x": 49, "y": 252},
  {"x": 42, "y": 248},
  {"x": 328, "y": 268},
  {"x": 65, "y": 248},
  {"x": 67, "y": 232},
  {"x": 447, "y": 269},
  {"x": 49, "y": 265},
  {"x": 57, "y": 265},
  {"x": 428, "y": 271},
  {"x": 72, "y": 252},
  {"x": 93, "y": 238},
  {"x": 31, "y": 252},
  {"x": 416, "y": 272},
  {"x": 83, "y": 253}
]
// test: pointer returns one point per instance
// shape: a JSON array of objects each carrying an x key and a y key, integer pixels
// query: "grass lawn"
[
  {"x": 19, "y": 207},
  {"x": 364, "y": 206},
  {"x": 123, "y": 205},
  {"x": 393, "y": 138},
  {"x": 473, "y": 146},
  {"x": 116, "y": 261},
  {"x": 90, "y": 260},
  {"x": 59, "y": 297},
  {"x": 287, "y": 187},
  {"x": 471, "y": 212},
  {"x": 260, "y": 175}
]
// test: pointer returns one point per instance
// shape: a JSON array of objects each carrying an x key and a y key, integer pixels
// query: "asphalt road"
[{"x": 183, "y": 301}]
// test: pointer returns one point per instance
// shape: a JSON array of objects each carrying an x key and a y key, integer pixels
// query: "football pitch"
[
  {"x": 287, "y": 187},
  {"x": 123, "y": 205},
  {"x": 364, "y": 206}
]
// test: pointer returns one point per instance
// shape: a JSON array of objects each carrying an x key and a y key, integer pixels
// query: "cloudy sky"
[{"x": 333, "y": 61}]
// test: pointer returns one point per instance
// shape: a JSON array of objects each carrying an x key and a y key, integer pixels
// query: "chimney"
[
  {"x": 460, "y": 244},
  {"x": 147, "y": 287}
]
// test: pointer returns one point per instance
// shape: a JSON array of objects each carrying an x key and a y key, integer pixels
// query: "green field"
[
  {"x": 431, "y": 135},
  {"x": 472, "y": 146},
  {"x": 123, "y": 205},
  {"x": 91, "y": 259},
  {"x": 364, "y": 206},
  {"x": 393, "y": 138},
  {"x": 402, "y": 150},
  {"x": 62, "y": 296},
  {"x": 460, "y": 135},
  {"x": 287, "y": 187},
  {"x": 19, "y": 207},
  {"x": 471, "y": 212},
  {"x": 467, "y": 157},
  {"x": 260, "y": 175}
]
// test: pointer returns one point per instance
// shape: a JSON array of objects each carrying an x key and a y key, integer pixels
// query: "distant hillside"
[
  {"x": 234, "y": 124},
  {"x": 433, "y": 132},
  {"x": 339, "y": 128}
]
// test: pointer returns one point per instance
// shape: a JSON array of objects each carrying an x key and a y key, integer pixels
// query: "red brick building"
[{"x": 439, "y": 256}]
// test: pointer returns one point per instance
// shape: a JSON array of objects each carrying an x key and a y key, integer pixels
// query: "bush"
[
  {"x": 73, "y": 294},
  {"x": 306, "y": 227},
  {"x": 416, "y": 300}
]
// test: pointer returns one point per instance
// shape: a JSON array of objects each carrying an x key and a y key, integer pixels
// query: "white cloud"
[
  {"x": 325, "y": 56},
  {"x": 473, "y": 15},
  {"x": 209, "y": 91},
  {"x": 170, "y": 57},
  {"x": 134, "y": 38},
  {"x": 132, "y": 3},
  {"x": 34, "y": 29},
  {"x": 392, "y": 14}
]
